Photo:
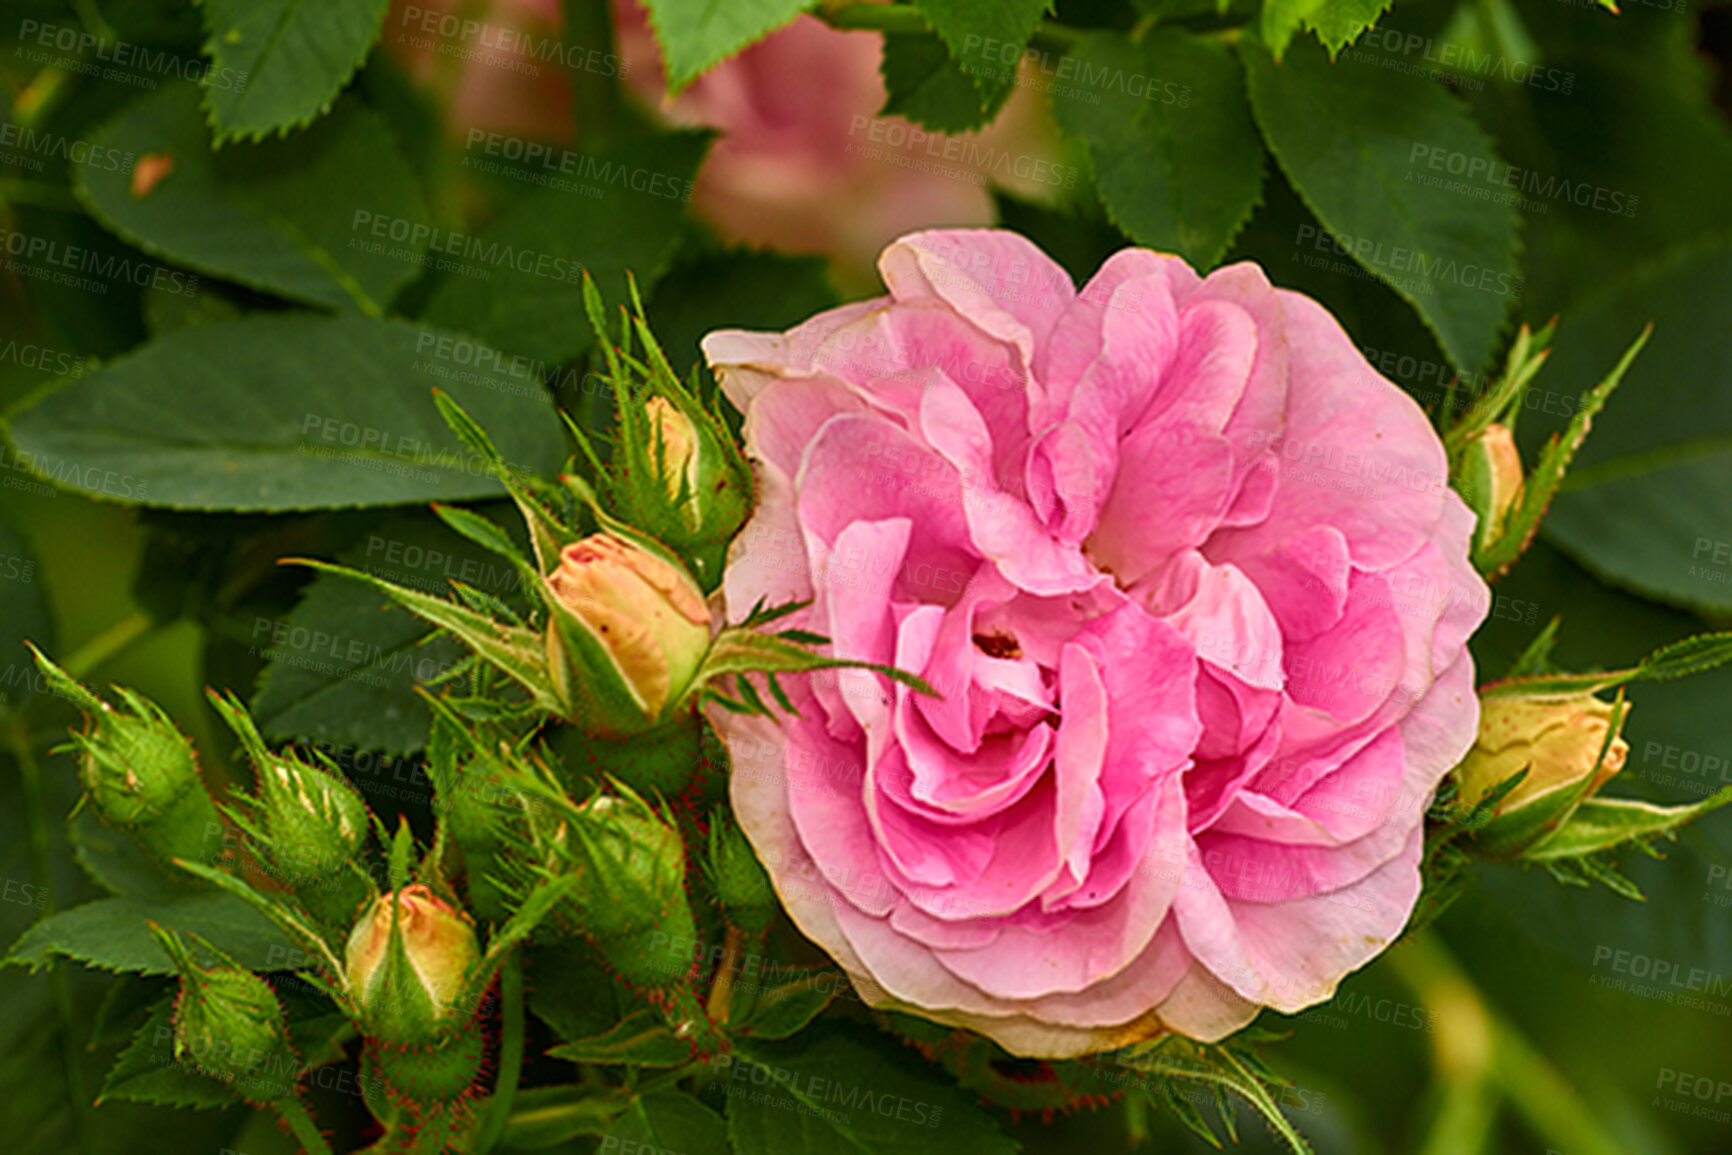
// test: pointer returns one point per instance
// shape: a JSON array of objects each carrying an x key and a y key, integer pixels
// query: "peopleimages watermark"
[
  {"x": 1070, "y": 77},
  {"x": 33, "y": 471},
  {"x": 1698, "y": 1095},
  {"x": 544, "y": 164},
  {"x": 462, "y": 253},
  {"x": 1461, "y": 63},
  {"x": 1398, "y": 259},
  {"x": 1664, "y": 980},
  {"x": 136, "y": 64},
  {"x": 514, "y": 49},
  {"x": 908, "y": 146},
  {"x": 30, "y": 148},
  {"x": 1492, "y": 179},
  {"x": 82, "y": 267}
]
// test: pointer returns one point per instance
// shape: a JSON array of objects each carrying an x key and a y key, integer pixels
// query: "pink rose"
[{"x": 1190, "y": 580}]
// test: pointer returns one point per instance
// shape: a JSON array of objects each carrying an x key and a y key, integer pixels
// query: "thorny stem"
[{"x": 510, "y": 1054}]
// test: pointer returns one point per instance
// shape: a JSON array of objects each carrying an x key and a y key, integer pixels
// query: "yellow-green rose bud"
[
  {"x": 229, "y": 1025},
  {"x": 408, "y": 962},
  {"x": 140, "y": 772},
  {"x": 648, "y": 618},
  {"x": 1491, "y": 480},
  {"x": 678, "y": 439},
  {"x": 1557, "y": 739}
]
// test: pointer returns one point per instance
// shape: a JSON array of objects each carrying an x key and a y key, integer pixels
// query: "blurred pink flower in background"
[
  {"x": 483, "y": 57},
  {"x": 803, "y": 162}
]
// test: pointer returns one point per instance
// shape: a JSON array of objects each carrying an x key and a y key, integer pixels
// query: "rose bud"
[
  {"x": 228, "y": 1025},
  {"x": 633, "y": 888},
  {"x": 307, "y": 825},
  {"x": 476, "y": 819},
  {"x": 140, "y": 772},
  {"x": 407, "y": 962},
  {"x": 1490, "y": 479},
  {"x": 705, "y": 478},
  {"x": 675, "y": 438},
  {"x": 742, "y": 888},
  {"x": 1557, "y": 739},
  {"x": 629, "y": 631}
]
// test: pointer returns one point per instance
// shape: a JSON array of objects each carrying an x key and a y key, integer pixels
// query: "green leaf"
[
  {"x": 1346, "y": 135},
  {"x": 924, "y": 83},
  {"x": 287, "y": 59},
  {"x": 1648, "y": 502},
  {"x": 24, "y": 616},
  {"x": 111, "y": 933},
  {"x": 641, "y": 1040},
  {"x": 1282, "y": 18},
  {"x": 667, "y": 1121},
  {"x": 1178, "y": 164},
  {"x": 344, "y": 664},
  {"x": 848, "y": 1090},
  {"x": 786, "y": 1008},
  {"x": 119, "y": 864},
  {"x": 695, "y": 34},
  {"x": 978, "y": 34},
  {"x": 519, "y": 282},
  {"x": 1603, "y": 823},
  {"x": 329, "y": 217},
  {"x": 1337, "y": 22},
  {"x": 336, "y": 412},
  {"x": 147, "y": 1071}
]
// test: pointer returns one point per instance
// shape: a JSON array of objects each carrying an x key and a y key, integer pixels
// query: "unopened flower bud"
[
  {"x": 1490, "y": 478},
  {"x": 690, "y": 487},
  {"x": 408, "y": 961},
  {"x": 307, "y": 824},
  {"x": 633, "y": 866},
  {"x": 228, "y": 1025},
  {"x": 140, "y": 772},
  {"x": 743, "y": 889},
  {"x": 648, "y": 630},
  {"x": 1557, "y": 739},
  {"x": 677, "y": 438}
]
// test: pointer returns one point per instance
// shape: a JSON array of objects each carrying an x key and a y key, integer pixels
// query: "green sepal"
[
  {"x": 1601, "y": 824},
  {"x": 515, "y": 651},
  {"x": 1523, "y": 521},
  {"x": 1692, "y": 655}
]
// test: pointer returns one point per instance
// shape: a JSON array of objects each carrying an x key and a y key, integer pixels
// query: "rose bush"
[{"x": 1187, "y": 576}]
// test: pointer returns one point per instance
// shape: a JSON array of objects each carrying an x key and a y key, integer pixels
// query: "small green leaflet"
[{"x": 278, "y": 64}]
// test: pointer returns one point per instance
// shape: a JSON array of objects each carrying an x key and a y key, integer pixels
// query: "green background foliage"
[{"x": 212, "y": 366}]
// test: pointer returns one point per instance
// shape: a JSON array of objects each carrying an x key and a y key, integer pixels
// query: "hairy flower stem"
[
  {"x": 301, "y": 1125},
  {"x": 498, "y": 1111}
]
